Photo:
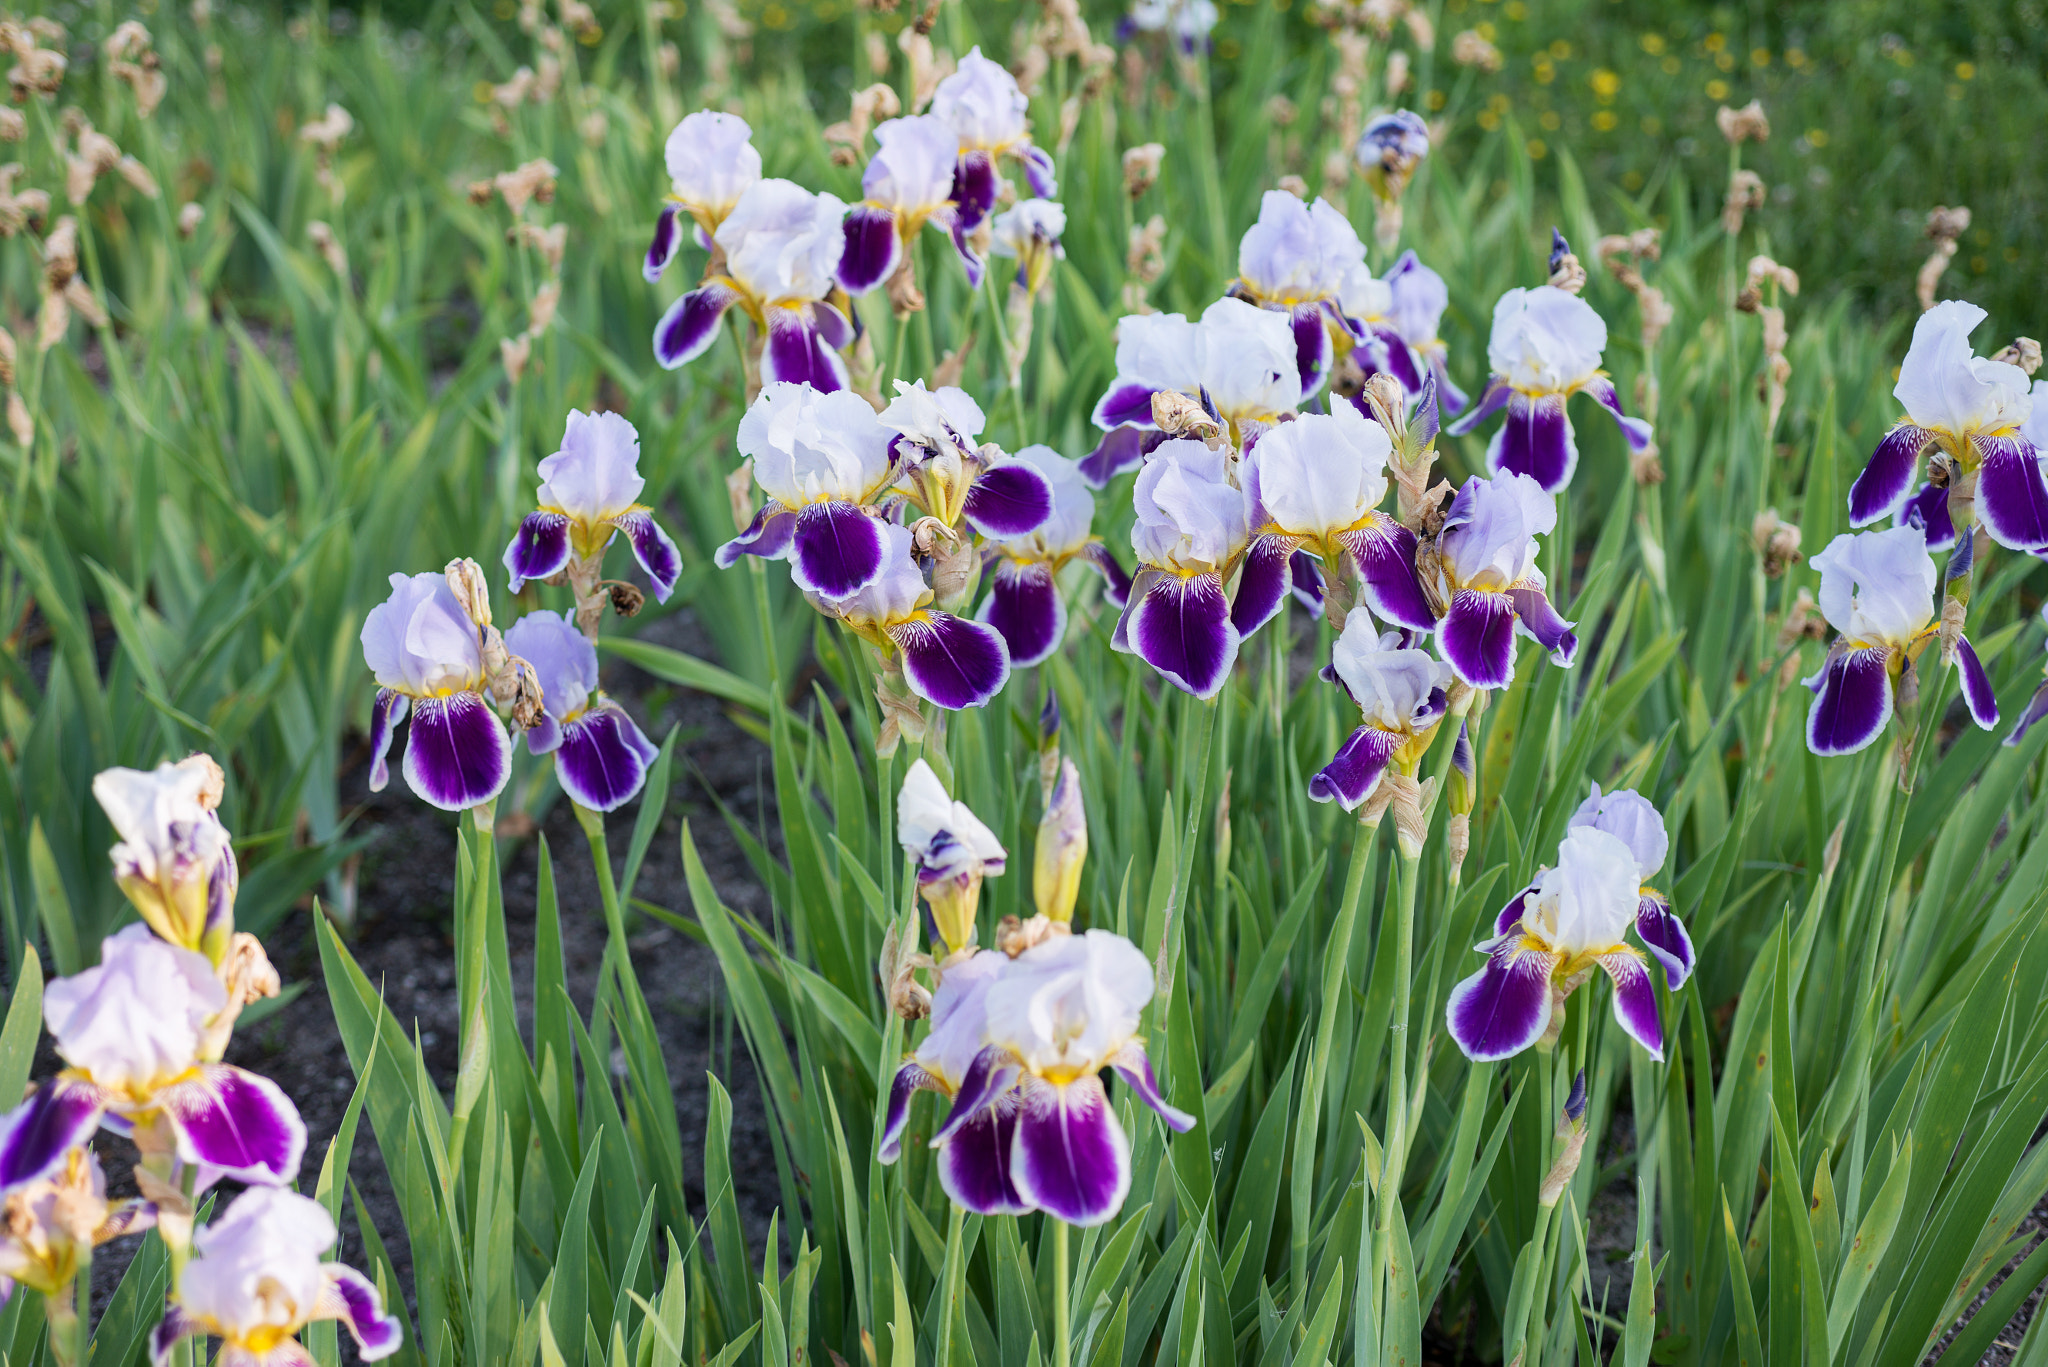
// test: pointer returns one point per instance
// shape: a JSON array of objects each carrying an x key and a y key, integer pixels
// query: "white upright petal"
[
  {"x": 1544, "y": 340},
  {"x": 134, "y": 1021},
  {"x": 711, "y": 162},
  {"x": 912, "y": 169},
  {"x": 1028, "y": 223},
  {"x": 1632, "y": 819},
  {"x": 1389, "y": 684},
  {"x": 1073, "y": 507},
  {"x": 1489, "y": 538},
  {"x": 1877, "y": 588},
  {"x": 1944, "y": 386},
  {"x": 936, "y": 418},
  {"x": 596, "y": 473},
  {"x": 166, "y": 831},
  {"x": 2035, "y": 427},
  {"x": 420, "y": 641},
  {"x": 809, "y": 447},
  {"x": 943, "y": 835},
  {"x": 1419, "y": 298},
  {"x": 1067, "y": 1005},
  {"x": 982, "y": 104},
  {"x": 1190, "y": 517},
  {"x": 256, "y": 1270},
  {"x": 1249, "y": 365},
  {"x": 1586, "y": 904},
  {"x": 782, "y": 243},
  {"x": 960, "y": 1016},
  {"x": 1319, "y": 474}
]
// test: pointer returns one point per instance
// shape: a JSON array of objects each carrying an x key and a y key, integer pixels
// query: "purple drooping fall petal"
[
  {"x": 1635, "y": 431},
  {"x": 653, "y": 549},
  {"x": 1262, "y": 584},
  {"x": 1929, "y": 510},
  {"x": 798, "y": 354},
  {"x": 1007, "y": 501},
  {"x": 457, "y": 753},
  {"x": 386, "y": 712},
  {"x": 1384, "y": 350},
  {"x": 1024, "y": 604},
  {"x": 1069, "y": 1157},
  {"x": 35, "y": 1136},
  {"x": 1663, "y": 934},
  {"x": 352, "y": 1298},
  {"x": 1038, "y": 172},
  {"x": 538, "y": 549},
  {"x": 1126, "y": 404},
  {"x": 873, "y": 249},
  {"x": 951, "y": 661},
  {"x": 1180, "y": 625},
  {"x": 175, "y": 1327},
  {"x": 2036, "y": 708},
  {"x": 1116, "y": 584},
  {"x": 992, "y": 1073},
  {"x": 1491, "y": 400},
  {"x": 1311, "y": 346},
  {"x": 1351, "y": 775},
  {"x": 603, "y": 758},
  {"x": 1385, "y": 553},
  {"x": 1504, "y": 1007},
  {"x": 836, "y": 549},
  {"x": 1305, "y": 581},
  {"x": 768, "y": 536},
  {"x": 2012, "y": 494},
  {"x": 1477, "y": 638},
  {"x": 975, "y": 1164},
  {"x": 1854, "y": 701},
  {"x": 1511, "y": 915},
  {"x": 1888, "y": 477},
  {"x": 1977, "y": 691},
  {"x": 662, "y": 249},
  {"x": 690, "y": 325},
  {"x": 1134, "y": 1066},
  {"x": 236, "y": 1121},
  {"x": 974, "y": 189},
  {"x": 1536, "y": 441},
  {"x": 1635, "y": 999},
  {"x": 1449, "y": 397},
  {"x": 909, "y": 1079},
  {"x": 1122, "y": 448},
  {"x": 1535, "y": 615}
]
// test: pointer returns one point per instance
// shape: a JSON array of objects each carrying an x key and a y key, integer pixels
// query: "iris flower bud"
[{"x": 1062, "y": 848}]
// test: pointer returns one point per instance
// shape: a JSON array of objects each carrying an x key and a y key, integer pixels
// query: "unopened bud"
[
  {"x": 1565, "y": 271},
  {"x": 1062, "y": 849},
  {"x": 466, "y": 581},
  {"x": 1571, "y": 1128}
]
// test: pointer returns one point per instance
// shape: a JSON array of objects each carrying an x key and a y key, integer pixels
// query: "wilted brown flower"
[
  {"x": 2024, "y": 352},
  {"x": 189, "y": 218},
  {"x": 1746, "y": 124},
  {"x": 1141, "y": 168},
  {"x": 1776, "y": 540},
  {"x": 1469, "y": 48},
  {"x": 529, "y": 181},
  {"x": 1745, "y": 192},
  {"x": 1944, "y": 226}
]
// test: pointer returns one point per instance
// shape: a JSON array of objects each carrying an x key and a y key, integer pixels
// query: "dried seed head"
[
  {"x": 1746, "y": 124},
  {"x": 327, "y": 131},
  {"x": 1776, "y": 540},
  {"x": 1470, "y": 48},
  {"x": 1141, "y": 168},
  {"x": 2024, "y": 352},
  {"x": 128, "y": 40},
  {"x": 189, "y": 218},
  {"x": 137, "y": 175},
  {"x": 515, "y": 352},
  {"x": 1745, "y": 192},
  {"x": 13, "y": 125},
  {"x": 1945, "y": 224},
  {"x": 528, "y": 182}
]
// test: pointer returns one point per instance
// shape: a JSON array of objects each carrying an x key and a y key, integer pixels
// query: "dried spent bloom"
[
  {"x": 49, "y": 1226},
  {"x": 1745, "y": 193},
  {"x": 1945, "y": 227},
  {"x": 327, "y": 131},
  {"x": 1746, "y": 124},
  {"x": 1141, "y": 168},
  {"x": 1470, "y": 48},
  {"x": 527, "y": 182},
  {"x": 1776, "y": 540}
]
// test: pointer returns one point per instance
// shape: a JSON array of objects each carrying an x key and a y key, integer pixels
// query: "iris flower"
[
  {"x": 1399, "y": 691},
  {"x": 1024, "y": 601},
  {"x": 953, "y": 849},
  {"x": 1973, "y": 411},
  {"x": 427, "y": 654},
  {"x": 1482, "y": 572},
  {"x": 586, "y": 497},
  {"x": 49, "y": 1224},
  {"x": 946, "y": 660},
  {"x": 712, "y": 161},
  {"x": 989, "y": 115},
  {"x": 256, "y": 1280},
  {"x": 601, "y": 757},
  {"x": 1631, "y": 818},
  {"x": 174, "y": 860},
  {"x": 1877, "y": 590},
  {"x": 1306, "y": 261},
  {"x": 2037, "y": 706},
  {"x": 941, "y": 469},
  {"x": 908, "y": 183},
  {"x": 1191, "y": 533},
  {"x": 1545, "y": 347},
  {"x": 1028, "y": 232}
]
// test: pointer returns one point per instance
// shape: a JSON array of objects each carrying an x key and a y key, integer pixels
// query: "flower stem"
[
  {"x": 607, "y": 888},
  {"x": 1062, "y": 1330},
  {"x": 1397, "y": 1079},
  {"x": 949, "y": 1301}
]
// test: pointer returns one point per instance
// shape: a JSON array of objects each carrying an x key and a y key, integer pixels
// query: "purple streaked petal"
[
  {"x": 796, "y": 353},
  {"x": 352, "y": 1298},
  {"x": 1181, "y": 627},
  {"x": 1425, "y": 422},
  {"x": 1038, "y": 171},
  {"x": 836, "y": 549},
  {"x": 1311, "y": 346},
  {"x": 1123, "y": 448},
  {"x": 1637, "y": 432},
  {"x": 1511, "y": 915},
  {"x": 1854, "y": 702},
  {"x": 238, "y": 1122},
  {"x": 653, "y": 549},
  {"x": 2036, "y": 708},
  {"x": 544, "y": 737},
  {"x": 974, "y": 189},
  {"x": 2012, "y": 495},
  {"x": 1449, "y": 397},
  {"x": 970, "y": 259},
  {"x": 975, "y": 1164},
  {"x": 1116, "y": 584},
  {"x": 1070, "y": 1157},
  {"x": 768, "y": 536},
  {"x": 1477, "y": 638},
  {"x": 662, "y": 249},
  {"x": 1663, "y": 934},
  {"x": 36, "y": 1135},
  {"x": 386, "y": 712},
  {"x": 1928, "y": 510},
  {"x": 457, "y": 753},
  {"x": 1262, "y": 584},
  {"x": 833, "y": 327},
  {"x": 951, "y": 661},
  {"x": 1355, "y": 770},
  {"x": 992, "y": 1073},
  {"x": 538, "y": 549},
  {"x": 1635, "y": 999},
  {"x": 603, "y": 758},
  {"x": 1503, "y": 1008},
  {"x": 1888, "y": 477},
  {"x": 1385, "y": 553},
  {"x": 1536, "y": 441},
  {"x": 1542, "y": 623},
  {"x": 911, "y": 1077},
  {"x": 873, "y": 249},
  {"x": 1976, "y": 686},
  {"x": 1491, "y": 400},
  {"x": 1024, "y": 604},
  {"x": 1134, "y": 1066},
  {"x": 1128, "y": 402},
  {"x": 174, "y": 1328},
  {"x": 687, "y": 330},
  {"x": 1141, "y": 584},
  {"x": 1305, "y": 581},
  {"x": 1385, "y": 350},
  {"x": 1008, "y": 500}
]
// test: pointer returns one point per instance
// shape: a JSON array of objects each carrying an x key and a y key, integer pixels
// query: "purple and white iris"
[
  {"x": 1877, "y": 591},
  {"x": 989, "y": 115},
  {"x": 1631, "y": 818},
  {"x": 427, "y": 655},
  {"x": 1401, "y": 693},
  {"x": 1546, "y": 943},
  {"x": 174, "y": 860},
  {"x": 944, "y": 473},
  {"x": 1063, "y": 1011},
  {"x": 1974, "y": 412},
  {"x": 946, "y": 660},
  {"x": 135, "y": 1032},
  {"x": 1238, "y": 360},
  {"x": 1029, "y": 232},
  {"x": 1315, "y": 484},
  {"x": 953, "y": 849},
  {"x": 586, "y": 497},
  {"x": 822, "y": 459},
  {"x": 1485, "y": 578},
  {"x": 1307, "y": 262},
  {"x": 1191, "y": 532},
  {"x": 1545, "y": 347},
  {"x": 601, "y": 757},
  {"x": 52, "y": 1223},
  {"x": 1024, "y": 600},
  {"x": 712, "y": 161},
  {"x": 780, "y": 249},
  {"x": 256, "y": 1279},
  {"x": 908, "y": 183},
  {"x": 2037, "y": 706},
  {"x": 1418, "y": 298}
]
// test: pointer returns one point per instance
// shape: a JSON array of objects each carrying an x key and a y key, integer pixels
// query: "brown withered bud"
[
  {"x": 1141, "y": 167},
  {"x": 1746, "y": 124},
  {"x": 2023, "y": 352},
  {"x": 1470, "y": 48},
  {"x": 1776, "y": 540},
  {"x": 1745, "y": 192},
  {"x": 627, "y": 600}
]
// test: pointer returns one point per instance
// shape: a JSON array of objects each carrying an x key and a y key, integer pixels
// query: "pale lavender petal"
[
  {"x": 1635, "y": 999},
  {"x": 689, "y": 327},
  {"x": 974, "y": 189},
  {"x": 352, "y": 1298},
  {"x": 1311, "y": 346},
  {"x": 236, "y": 1121},
  {"x": 603, "y": 758},
  {"x": 653, "y": 549},
  {"x": 1928, "y": 510},
  {"x": 992, "y": 1073},
  {"x": 1491, "y": 400},
  {"x": 974, "y": 1165},
  {"x": 970, "y": 259},
  {"x": 2036, "y": 708},
  {"x": 175, "y": 1327},
  {"x": 1128, "y": 403},
  {"x": 1355, "y": 770},
  {"x": 2012, "y": 495},
  {"x": 1385, "y": 350},
  {"x": 768, "y": 536},
  {"x": 1854, "y": 702},
  {"x": 1008, "y": 500},
  {"x": 538, "y": 549},
  {"x": 1070, "y": 1157},
  {"x": 1510, "y": 916},
  {"x": 909, "y": 1078},
  {"x": 1181, "y": 627},
  {"x": 386, "y": 712},
  {"x": 1536, "y": 441},
  {"x": 662, "y": 250},
  {"x": 1535, "y": 615},
  {"x": 457, "y": 754},
  {"x": 1888, "y": 478},
  {"x": 1637, "y": 432},
  {"x": 1385, "y": 553},
  {"x": 1024, "y": 604},
  {"x": 36, "y": 1135},
  {"x": 833, "y": 327},
  {"x": 1262, "y": 584},
  {"x": 1477, "y": 638},
  {"x": 1504, "y": 1007},
  {"x": 1976, "y": 686},
  {"x": 836, "y": 549},
  {"x": 1038, "y": 172},
  {"x": 1305, "y": 580},
  {"x": 1663, "y": 934},
  {"x": 1116, "y": 590},
  {"x": 544, "y": 737},
  {"x": 873, "y": 249},
  {"x": 952, "y": 661},
  {"x": 1134, "y": 1066}
]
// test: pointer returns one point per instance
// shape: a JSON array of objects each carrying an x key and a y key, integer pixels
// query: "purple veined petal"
[
  {"x": 768, "y": 536},
  {"x": 975, "y": 1164},
  {"x": 1477, "y": 638},
  {"x": 1123, "y": 448},
  {"x": 457, "y": 753},
  {"x": 992, "y": 1073},
  {"x": 544, "y": 737},
  {"x": 1888, "y": 477},
  {"x": 1311, "y": 346},
  {"x": 832, "y": 325},
  {"x": 835, "y": 549},
  {"x": 974, "y": 189},
  {"x": 2036, "y": 708},
  {"x": 1262, "y": 584},
  {"x": 1039, "y": 172},
  {"x": 653, "y": 549},
  {"x": 1928, "y": 510},
  {"x": 1637, "y": 432},
  {"x": 1449, "y": 397},
  {"x": 603, "y": 758},
  {"x": 1425, "y": 423},
  {"x": 1536, "y": 441},
  {"x": 1635, "y": 999},
  {"x": 1305, "y": 581},
  {"x": 1385, "y": 350},
  {"x": 2012, "y": 494},
  {"x": 1976, "y": 686},
  {"x": 1141, "y": 584},
  {"x": 951, "y": 661},
  {"x": 1116, "y": 584},
  {"x": 1024, "y": 604},
  {"x": 911, "y": 1077},
  {"x": 795, "y": 353},
  {"x": 538, "y": 549},
  {"x": 1504, "y": 1007},
  {"x": 1541, "y": 622},
  {"x": 1510, "y": 916},
  {"x": 386, "y": 712},
  {"x": 1491, "y": 400},
  {"x": 174, "y": 1328},
  {"x": 1385, "y": 552},
  {"x": 970, "y": 259},
  {"x": 668, "y": 236},
  {"x": 873, "y": 249},
  {"x": 687, "y": 330},
  {"x": 1134, "y": 1066},
  {"x": 1854, "y": 702},
  {"x": 1355, "y": 770},
  {"x": 238, "y": 1122},
  {"x": 36, "y": 1135},
  {"x": 1663, "y": 934},
  {"x": 1128, "y": 403},
  {"x": 352, "y": 1298},
  {"x": 1008, "y": 501},
  {"x": 1181, "y": 627},
  {"x": 1070, "y": 1157}
]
